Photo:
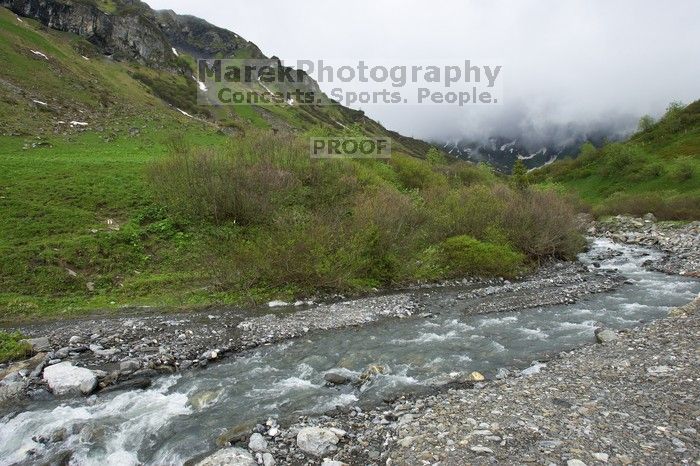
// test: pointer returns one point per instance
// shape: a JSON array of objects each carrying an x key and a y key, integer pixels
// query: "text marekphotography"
[{"x": 360, "y": 82}]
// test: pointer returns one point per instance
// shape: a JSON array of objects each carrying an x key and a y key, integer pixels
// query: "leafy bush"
[
  {"x": 541, "y": 224},
  {"x": 414, "y": 173},
  {"x": 464, "y": 255},
  {"x": 682, "y": 172},
  {"x": 279, "y": 220},
  {"x": 222, "y": 186}
]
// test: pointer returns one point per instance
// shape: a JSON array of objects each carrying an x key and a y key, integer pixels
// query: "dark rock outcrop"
[
  {"x": 200, "y": 39},
  {"x": 129, "y": 33}
]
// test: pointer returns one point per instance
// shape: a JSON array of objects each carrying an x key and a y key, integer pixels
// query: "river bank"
[
  {"x": 381, "y": 358},
  {"x": 131, "y": 351},
  {"x": 633, "y": 400},
  {"x": 679, "y": 242}
]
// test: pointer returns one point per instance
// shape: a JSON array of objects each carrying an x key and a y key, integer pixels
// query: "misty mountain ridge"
[{"x": 535, "y": 148}]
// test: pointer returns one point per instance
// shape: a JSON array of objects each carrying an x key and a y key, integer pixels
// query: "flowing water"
[{"x": 181, "y": 416}]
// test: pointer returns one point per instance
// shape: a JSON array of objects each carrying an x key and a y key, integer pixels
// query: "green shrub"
[
  {"x": 682, "y": 172},
  {"x": 464, "y": 255},
  {"x": 541, "y": 224},
  {"x": 279, "y": 221},
  {"x": 414, "y": 173}
]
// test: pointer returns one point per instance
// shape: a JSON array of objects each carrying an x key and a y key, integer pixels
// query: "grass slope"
[
  {"x": 657, "y": 170},
  {"x": 144, "y": 206}
]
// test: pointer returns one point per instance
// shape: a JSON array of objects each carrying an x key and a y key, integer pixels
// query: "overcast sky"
[{"x": 581, "y": 62}]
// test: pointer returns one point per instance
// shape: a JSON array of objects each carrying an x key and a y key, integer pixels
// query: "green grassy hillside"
[
  {"x": 111, "y": 197},
  {"x": 657, "y": 170}
]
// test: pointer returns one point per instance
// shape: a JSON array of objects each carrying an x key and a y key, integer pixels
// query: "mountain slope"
[
  {"x": 159, "y": 50},
  {"x": 657, "y": 170}
]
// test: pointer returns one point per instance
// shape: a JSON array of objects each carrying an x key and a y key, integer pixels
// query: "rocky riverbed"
[
  {"x": 631, "y": 400},
  {"x": 680, "y": 242},
  {"x": 128, "y": 352}
]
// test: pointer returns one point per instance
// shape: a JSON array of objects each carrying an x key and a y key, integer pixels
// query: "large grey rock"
[
  {"x": 336, "y": 378},
  {"x": 229, "y": 457},
  {"x": 129, "y": 366},
  {"x": 317, "y": 441},
  {"x": 65, "y": 379},
  {"x": 257, "y": 442},
  {"x": 39, "y": 344},
  {"x": 10, "y": 393},
  {"x": 605, "y": 336}
]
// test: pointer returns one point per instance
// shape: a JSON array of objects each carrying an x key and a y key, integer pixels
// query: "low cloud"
[{"x": 584, "y": 64}]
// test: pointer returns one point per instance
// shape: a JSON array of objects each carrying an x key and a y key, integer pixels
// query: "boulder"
[
  {"x": 317, "y": 441},
  {"x": 336, "y": 378},
  {"x": 10, "y": 393},
  {"x": 257, "y": 443},
  {"x": 476, "y": 377},
  {"x": 605, "y": 335},
  {"x": 239, "y": 433},
  {"x": 75, "y": 340},
  {"x": 502, "y": 373},
  {"x": 64, "y": 378},
  {"x": 38, "y": 344},
  {"x": 129, "y": 366},
  {"x": 229, "y": 457}
]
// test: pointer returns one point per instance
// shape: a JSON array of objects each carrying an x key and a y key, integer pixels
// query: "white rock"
[
  {"x": 229, "y": 457},
  {"x": 601, "y": 457},
  {"x": 317, "y": 441},
  {"x": 534, "y": 369},
  {"x": 575, "y": 463},
  {"x": 268, "y": 460},
  {"x": 481, "y": 449},
  {"x": 257, "y": 442},
  {"x": 338, "y": 432},
  {"x": 659, "y": 371},
  {"x": 277, "y": 304},
  {"x": 329, "y": 462},
  {"x": 64, "y": 378},
  {"x": 36, "y": 52}
]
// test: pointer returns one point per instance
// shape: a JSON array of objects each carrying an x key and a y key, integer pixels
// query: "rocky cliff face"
[
  {"x": 127, "y": 34},
  {"x": 135, "y": 32},
  {"x": 203, "y": 40}
]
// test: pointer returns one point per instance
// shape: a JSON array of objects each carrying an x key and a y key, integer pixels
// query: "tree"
[
  {"x": 587, "y": 150},
  {"x": 520, "y": 174},
  {"x": 434, "y": 157},
  {"x": 645, "y": 123}
]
